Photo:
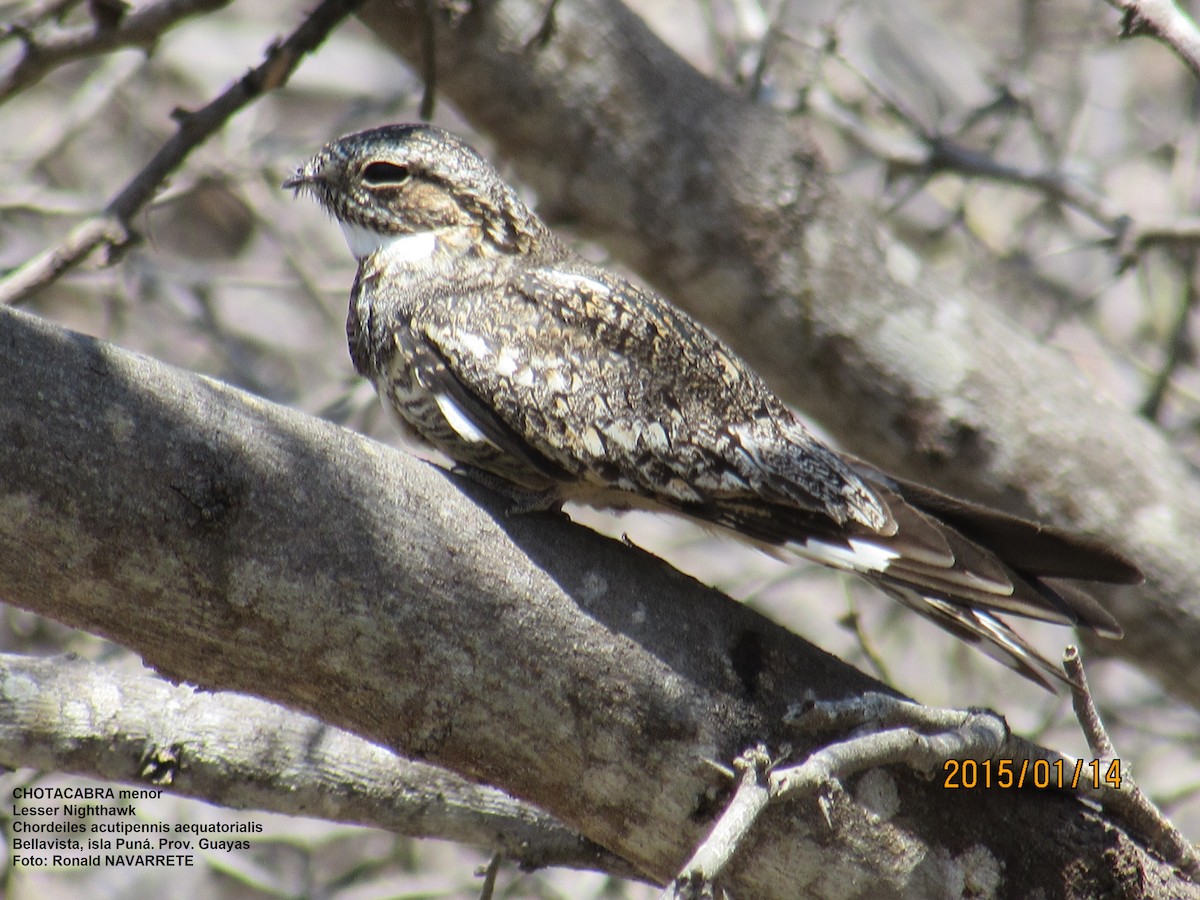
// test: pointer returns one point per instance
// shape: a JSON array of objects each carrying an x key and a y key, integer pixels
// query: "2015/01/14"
[{"x": 967, "y": 774}]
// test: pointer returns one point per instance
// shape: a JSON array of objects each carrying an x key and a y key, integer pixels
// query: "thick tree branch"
[
  {"x": 241, "y": 546},
  {"x": 246, "y": 753},
  {"x": 727, "y": 207}
]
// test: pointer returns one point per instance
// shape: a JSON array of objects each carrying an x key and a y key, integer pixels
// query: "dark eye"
[{"x": 384, "y": 174}]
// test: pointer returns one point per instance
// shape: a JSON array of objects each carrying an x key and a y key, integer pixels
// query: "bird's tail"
[{"x": 957, "y": 563}]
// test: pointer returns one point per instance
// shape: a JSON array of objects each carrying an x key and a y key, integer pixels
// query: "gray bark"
[{"x": 241, "y": 546}]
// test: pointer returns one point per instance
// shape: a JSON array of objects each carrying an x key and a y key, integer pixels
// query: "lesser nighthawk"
[{"x": 500, "y": 346}]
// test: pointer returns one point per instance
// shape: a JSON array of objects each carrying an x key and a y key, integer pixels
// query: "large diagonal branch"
[
  {"x": 241, "y": 546},
  {"x": 728, "y": 208}
]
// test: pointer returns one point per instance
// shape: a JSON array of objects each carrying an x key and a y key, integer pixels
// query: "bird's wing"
[
  {"x": 615, "y": 386},
  {"x": 475, "y": 420},
  {"x": 611, "y": 384}
]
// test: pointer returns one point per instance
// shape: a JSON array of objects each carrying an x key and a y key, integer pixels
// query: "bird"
[{"x": 555, "y": 379}]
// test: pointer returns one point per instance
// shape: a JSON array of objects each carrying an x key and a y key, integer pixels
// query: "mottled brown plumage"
[{"x": 498, "y": 345}]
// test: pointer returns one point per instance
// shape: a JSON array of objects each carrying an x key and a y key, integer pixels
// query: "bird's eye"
[{"x": 385, "y": 174}]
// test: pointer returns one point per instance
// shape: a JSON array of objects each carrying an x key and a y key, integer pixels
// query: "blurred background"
[{"x": 236, "y": 280}]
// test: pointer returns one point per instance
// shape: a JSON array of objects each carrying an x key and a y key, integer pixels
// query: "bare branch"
[
  {"x": 750, "y": 798},
  {"x": 245, "y": 753},
  {"x": 1164, "y": 20},
  {"x": 141, "y": 28},
  {"x": 935, "y": 153},
  {"x": 110, "y": 229},
  {"x": 925, "y": 154},
  {"x": 108, "y": 232}
]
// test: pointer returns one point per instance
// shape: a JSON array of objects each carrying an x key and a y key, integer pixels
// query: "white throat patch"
[{"x": 399, "y": 248}]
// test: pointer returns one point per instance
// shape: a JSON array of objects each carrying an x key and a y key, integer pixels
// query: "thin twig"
[
  {"x": 930, "y": 154},
  {"x": 1126, "y": 802},
  {"x": 767, "y": 48},
  {"x": 749, "y": 800},
  {"x": 853, "y": 621},
  {"x": 429, "y": 60},
  {"x": 489, "y": 877},
  {"x": 1178, "y": 345},
  {"x": 111, "y": 227},
  {"x": 1085, "y": 708},
  {"x": 48, "y": 267}
]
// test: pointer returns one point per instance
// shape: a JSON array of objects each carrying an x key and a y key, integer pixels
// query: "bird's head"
[{"x": 404, "y": 185}]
